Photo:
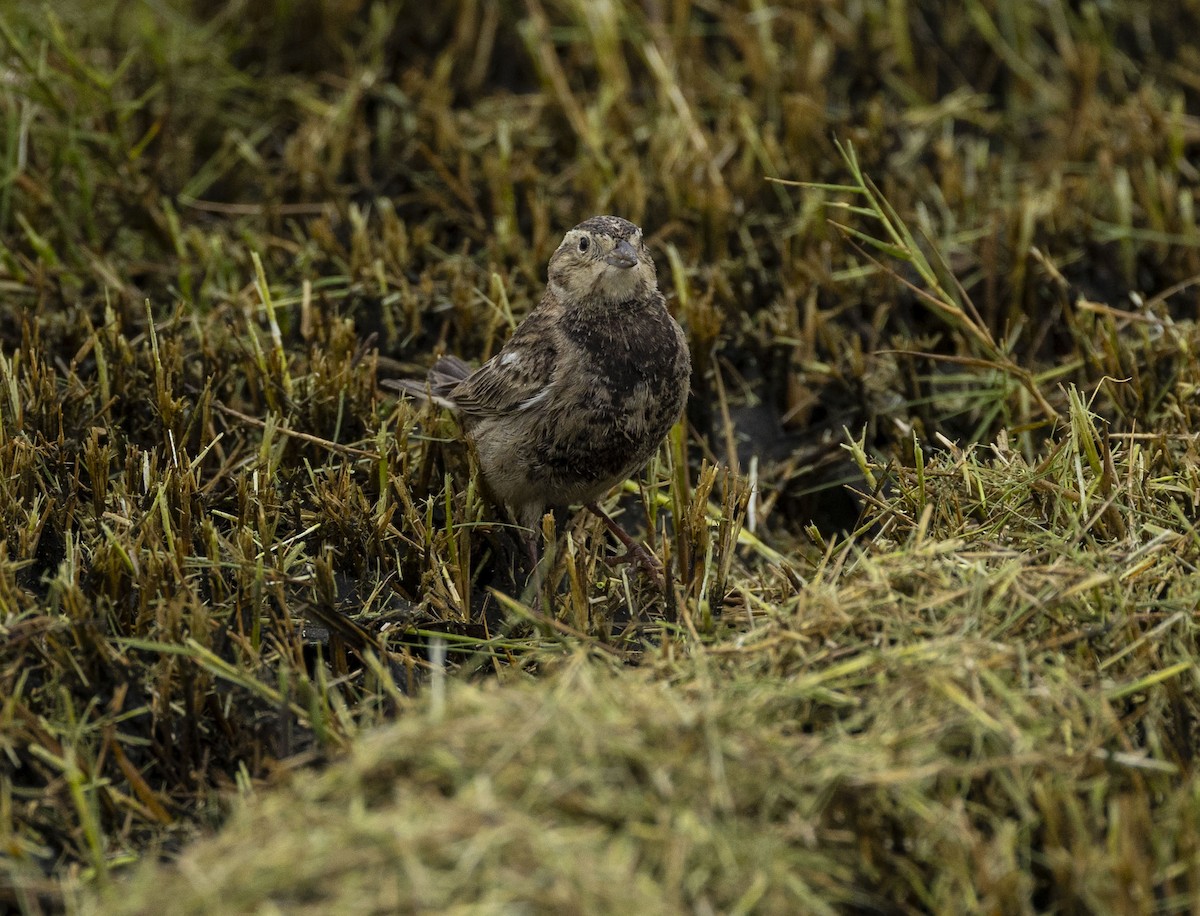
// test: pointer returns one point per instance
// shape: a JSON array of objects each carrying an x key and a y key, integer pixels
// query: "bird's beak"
[{"x": 623, "y": 256}]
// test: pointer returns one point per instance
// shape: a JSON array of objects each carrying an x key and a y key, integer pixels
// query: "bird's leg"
[
  {"x": 533, "y": 548},
  {"x": 529, "y": 524},
  {"x": 634, "y": 552},
  {"x": 535, "y": 575}
]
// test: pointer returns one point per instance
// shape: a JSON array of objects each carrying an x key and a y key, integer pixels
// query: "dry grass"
[
  {"x": 930, "y": 639},
  {"x": 962, "y": 712}
]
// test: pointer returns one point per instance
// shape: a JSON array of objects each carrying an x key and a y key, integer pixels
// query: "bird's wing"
[{"x": 515, "y": 379}]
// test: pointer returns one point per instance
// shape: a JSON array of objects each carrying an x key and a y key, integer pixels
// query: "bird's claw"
[{"x": 643, "y": 559}]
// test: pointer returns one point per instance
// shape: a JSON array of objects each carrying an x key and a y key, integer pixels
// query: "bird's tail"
[
  {"x": 446, "y": 373},
  {"x": 442, "y": 378}
]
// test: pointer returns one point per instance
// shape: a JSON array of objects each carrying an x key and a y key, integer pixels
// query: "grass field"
[{"x": 929, "y": 640}]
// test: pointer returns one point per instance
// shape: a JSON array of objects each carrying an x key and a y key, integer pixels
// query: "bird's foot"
[
  {"x": 634, "y": 552},
  {"x": 640, "y": 555}
]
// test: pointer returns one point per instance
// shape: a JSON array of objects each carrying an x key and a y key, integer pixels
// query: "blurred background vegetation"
[{"x": 907, "y": 224}]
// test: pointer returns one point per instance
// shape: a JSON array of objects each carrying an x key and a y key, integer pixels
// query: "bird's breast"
[{"x": 632, "y": 378}]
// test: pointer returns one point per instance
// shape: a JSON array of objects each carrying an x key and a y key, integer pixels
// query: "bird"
[{"x": 584, "y": 391}]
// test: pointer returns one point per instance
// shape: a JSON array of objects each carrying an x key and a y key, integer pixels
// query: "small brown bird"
[{"x": 585, "y": 389}]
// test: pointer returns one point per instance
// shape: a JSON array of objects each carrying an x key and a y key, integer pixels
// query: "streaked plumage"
[{"x": 589, "y": 384}]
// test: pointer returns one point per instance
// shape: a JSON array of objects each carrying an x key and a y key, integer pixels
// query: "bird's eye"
[{"x": 583, "y": 243}]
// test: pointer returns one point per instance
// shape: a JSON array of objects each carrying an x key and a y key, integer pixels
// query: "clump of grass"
[{"x": 982, "y": 697}]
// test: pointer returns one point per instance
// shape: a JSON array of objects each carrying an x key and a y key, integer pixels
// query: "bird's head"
[{"x": 603, "y": 261}]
